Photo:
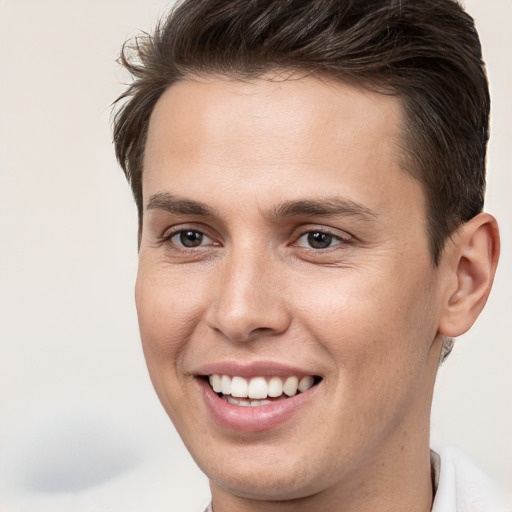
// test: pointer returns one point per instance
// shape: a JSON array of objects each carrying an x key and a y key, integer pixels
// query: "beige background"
[{"x": 80, "y": 427}]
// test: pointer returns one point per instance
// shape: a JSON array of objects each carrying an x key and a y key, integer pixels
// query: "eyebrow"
[
  {"x": 294, "y": 208},
  {"x": 329, "y": 206},
  {"x": 178, "y": 206}
]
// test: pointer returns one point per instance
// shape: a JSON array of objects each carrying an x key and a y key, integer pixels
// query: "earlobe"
[{"x": 473, "y": 253}]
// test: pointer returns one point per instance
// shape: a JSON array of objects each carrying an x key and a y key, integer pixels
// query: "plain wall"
[{"x": 80, "y": 426}]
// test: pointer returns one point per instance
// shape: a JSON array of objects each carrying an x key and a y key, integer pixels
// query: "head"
[{"x": 309, "y": 178}]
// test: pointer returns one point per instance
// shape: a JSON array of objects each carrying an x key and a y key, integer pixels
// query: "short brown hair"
[{"x": 426, "y": 52}]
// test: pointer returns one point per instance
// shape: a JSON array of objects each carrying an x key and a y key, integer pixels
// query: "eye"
[
  {"x": 319, "y": 240},
  {"x": 190, "y": 238}
]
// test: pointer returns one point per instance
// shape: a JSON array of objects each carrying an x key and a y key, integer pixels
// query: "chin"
[
  {"x": 259, "y": 473},
  {"x": 264, "y": 485}
]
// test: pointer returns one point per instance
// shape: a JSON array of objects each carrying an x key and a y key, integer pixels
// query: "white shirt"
[{"x": 462, "y": 487}]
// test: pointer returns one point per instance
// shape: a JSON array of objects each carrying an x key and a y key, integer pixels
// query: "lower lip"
[{"x": 252, "y": 419}]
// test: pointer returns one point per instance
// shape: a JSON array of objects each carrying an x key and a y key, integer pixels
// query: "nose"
[{"x": 250, "y": 300}]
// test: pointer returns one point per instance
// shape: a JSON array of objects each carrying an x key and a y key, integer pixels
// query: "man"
[{"x": 309, "y": 178}]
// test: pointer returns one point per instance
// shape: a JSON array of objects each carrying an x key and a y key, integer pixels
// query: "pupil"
[
  {"x": 319, "y": 240},
  {"x": 191, "y": 238}
]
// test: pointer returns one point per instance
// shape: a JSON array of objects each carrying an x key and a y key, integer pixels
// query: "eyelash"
[
  {"x": 169, "y": 235},
  {"x": 340, "y": 240}
]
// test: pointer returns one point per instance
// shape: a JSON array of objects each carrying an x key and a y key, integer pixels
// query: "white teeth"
[
  {"x": 257, "y": 403},
  {"x": 305, "y": 383},
  {"x": 246, "y": 403},
  {"x": 225, "y": 384},
  {"x": 290, "y": 386},
  {"x": 239, "y": 387},
  {"x": 275, "y": 387},
  {"x": 258, "y": 388},
  {"x": 215, "y": 382}
]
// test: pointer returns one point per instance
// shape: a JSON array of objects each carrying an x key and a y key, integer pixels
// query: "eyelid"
[
  {"x": 342, "y": 236},
  {"x": 336, "y": 240},
  {"x": 172, "y": 231}
]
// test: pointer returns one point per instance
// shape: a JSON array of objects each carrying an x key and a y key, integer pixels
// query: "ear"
[{"x": 472, "y": 256}]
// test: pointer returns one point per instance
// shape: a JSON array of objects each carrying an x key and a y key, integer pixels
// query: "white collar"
[{"x": 461, "y": 486}]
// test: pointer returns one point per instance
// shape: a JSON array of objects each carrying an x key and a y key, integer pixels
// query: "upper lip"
[{"x": 252, "y": 369}]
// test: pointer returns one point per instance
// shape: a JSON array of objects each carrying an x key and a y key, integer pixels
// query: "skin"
[{"x": 367, "y": 314}]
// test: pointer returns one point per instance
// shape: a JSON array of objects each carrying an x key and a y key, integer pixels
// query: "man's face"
[{"x": 281, "y": 238}]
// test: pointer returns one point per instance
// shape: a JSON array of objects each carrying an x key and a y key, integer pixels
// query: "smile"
[
  {"x": 256, "y": 396},
  {"x": 259, "y": 391}
]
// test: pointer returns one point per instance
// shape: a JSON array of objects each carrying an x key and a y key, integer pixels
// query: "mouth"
[{"x": 259, "y": 391}]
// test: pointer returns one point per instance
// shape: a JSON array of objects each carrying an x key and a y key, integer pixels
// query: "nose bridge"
[{"x": 249, "y": 299}]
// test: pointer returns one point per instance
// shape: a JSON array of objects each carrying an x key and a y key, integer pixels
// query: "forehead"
[
  {"x": 302, "y": 132},
  {"x": 222, "y": 109}
]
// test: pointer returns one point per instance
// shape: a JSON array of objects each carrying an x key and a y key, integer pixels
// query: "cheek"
[
  {"x": 167, "y": 310},
  {"x": 379, "y": 341},
  {"x": 373, "y": 324},
  {"x": 167, "y": 319}
]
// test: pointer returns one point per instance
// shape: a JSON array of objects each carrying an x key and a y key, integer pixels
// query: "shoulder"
[{"x": 461, "y": 486}]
